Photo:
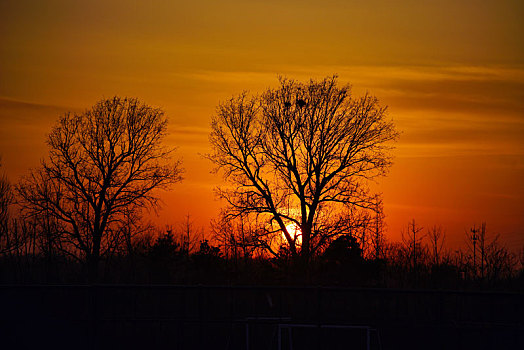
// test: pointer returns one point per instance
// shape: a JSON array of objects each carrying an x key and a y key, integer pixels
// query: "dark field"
[{"x": 202, "y": 317}]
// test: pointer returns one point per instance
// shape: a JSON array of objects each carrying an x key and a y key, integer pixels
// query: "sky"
[{"x": 451, "y": 73}]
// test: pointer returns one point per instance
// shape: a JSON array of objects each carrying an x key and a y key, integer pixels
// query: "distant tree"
[
  {"x": 132, "y": 232},
  {"x": 344, "y": 249},
  {"x": 235, "y": 236},
  {"x": 521, "y": 258},
  {"x": 190, "y": 236},
  {"x": 499, "y": 262},
  {"x": 352, "y": 222},
  {"x": 12, "y": 238},
  {"x": 207, "y": 249},
  {"x": 496, "y": 262},
  {"x": 437, "y": 238},
  {"x": 415, "y": 251},
  {"x": 6, "y": 197},
  {"x": 373, "y": 240},
  {"x": 164, "y": 248},
  {"x": 207, "y": 260},
  {"x": 103, "y": 163},
  {"x": 299, "y": 156}
]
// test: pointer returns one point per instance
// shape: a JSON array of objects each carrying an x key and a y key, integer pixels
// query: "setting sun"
[{"x": 295, "y": 232}]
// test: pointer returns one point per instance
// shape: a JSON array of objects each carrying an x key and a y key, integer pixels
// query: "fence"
[{"x": 184, "y": 317}]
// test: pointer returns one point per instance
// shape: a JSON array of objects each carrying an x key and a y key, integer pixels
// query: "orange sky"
[{"x": 451, "y": 72}]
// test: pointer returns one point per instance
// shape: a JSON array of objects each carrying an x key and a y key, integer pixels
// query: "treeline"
[
  {"x": 36, "y": 249},
  {"x": 298, "y": 160},
  {"x": 33, "y": 252}
]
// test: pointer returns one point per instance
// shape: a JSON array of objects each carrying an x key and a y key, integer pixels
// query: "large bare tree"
[
  {"x": 103, "y": 163},
  {"x": 300, "y": 156}
]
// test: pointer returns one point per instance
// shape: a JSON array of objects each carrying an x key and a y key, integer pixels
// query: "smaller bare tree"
[
  {"x": 235, "y": 236},
  {"x": 412, "y": 240},
  {"x": 189, "y": 236},
  {"x": 378, "y": 241},
  {"x": 437, "y": 238},
  {"x": 500, "y": 263},
  {"x": 103, "y": 163},
  {"x": 12, "y": 238}
]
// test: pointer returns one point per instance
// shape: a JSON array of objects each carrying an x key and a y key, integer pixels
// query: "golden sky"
[{"x": 451, "y": 72}]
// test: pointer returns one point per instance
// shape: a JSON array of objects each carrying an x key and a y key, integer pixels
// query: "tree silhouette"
[
  {"x": 103, "y": 164},
  {"x": 437, "y": 237},
  {"x": 6, "y": 198},
  {"x": 343, "y": 249},
  {"x": 415, "y": 251},
  {"x": 300, "y": 154},
  {"x": 235, "y": 236}
]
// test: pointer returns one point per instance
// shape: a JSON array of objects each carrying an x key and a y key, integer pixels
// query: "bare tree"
[
  {"x": 11, "y": 238},
  {"x": 415, "y": 251},
  {"x": 235, "y": 236},
  {"x": 298, "y": 155},
  {"x": 499, "y": 262},
  {"x": 496, "y": 262},
  {"x": 103, "y": 163},
  {"x": 189, "y": 235},
  {"x": 6, "y": 198},
  {"x": 436, "y": 240},
  {"x": 378, "y": 240}
]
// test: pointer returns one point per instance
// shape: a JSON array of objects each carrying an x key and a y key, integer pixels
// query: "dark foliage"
[{"x": 163, "y": 261}]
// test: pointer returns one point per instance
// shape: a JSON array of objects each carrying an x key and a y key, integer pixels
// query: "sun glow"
[{"x": 295, "y": 232}]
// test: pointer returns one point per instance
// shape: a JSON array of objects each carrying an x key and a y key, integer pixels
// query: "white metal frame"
[{"x": 290, "y": 326}]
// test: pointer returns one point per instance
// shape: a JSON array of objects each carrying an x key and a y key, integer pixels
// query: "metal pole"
[
  {"x": 247, "y": 335},
  {"x": 279, "y": 338}
]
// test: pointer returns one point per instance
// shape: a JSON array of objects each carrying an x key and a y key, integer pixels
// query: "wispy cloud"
[{"x": 442, "y": 110}]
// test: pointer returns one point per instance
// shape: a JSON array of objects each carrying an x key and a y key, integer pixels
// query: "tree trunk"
[
  {"x": 305, "y": 249},
  {"x": 93, "y": 261}
]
